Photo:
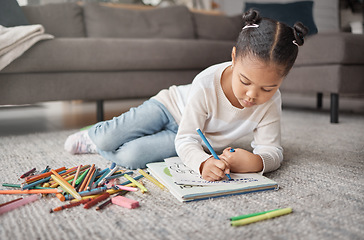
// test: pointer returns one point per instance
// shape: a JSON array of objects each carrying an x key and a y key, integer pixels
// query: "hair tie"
[
  {"x": 295, "y": 43},
  {"x": 251, "y": 26}
]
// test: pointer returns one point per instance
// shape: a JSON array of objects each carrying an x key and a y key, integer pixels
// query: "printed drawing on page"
[{"x": 182, "y": 174}]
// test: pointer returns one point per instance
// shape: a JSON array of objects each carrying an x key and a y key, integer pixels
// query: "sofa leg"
[
  {"x": 319, "y": 100},
  {"x": 334, "y": 108},
  {"x": 100, "y": 110}
]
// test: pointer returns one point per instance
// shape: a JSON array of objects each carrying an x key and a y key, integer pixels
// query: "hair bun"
[
  {"x": 299, "y": 31},
  {"x": 251, "y": 17}
]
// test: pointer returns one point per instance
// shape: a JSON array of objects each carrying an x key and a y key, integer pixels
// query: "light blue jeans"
[{"x": 142, "y": 135}]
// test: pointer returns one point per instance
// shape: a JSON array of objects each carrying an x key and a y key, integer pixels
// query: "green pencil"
[
  {"x": 261, "y": 217},
  {"x": 251, "y": 215},
  {"x": 80, "y": 178}
]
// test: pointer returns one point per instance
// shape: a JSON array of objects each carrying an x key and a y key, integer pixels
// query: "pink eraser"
[{"x": 125, "y": 202}]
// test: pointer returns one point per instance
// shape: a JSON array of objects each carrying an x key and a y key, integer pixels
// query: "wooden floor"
[{"x": 54, "y": 116}]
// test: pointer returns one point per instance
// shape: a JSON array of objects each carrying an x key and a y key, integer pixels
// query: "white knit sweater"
[{"x": 204, "y": 105}]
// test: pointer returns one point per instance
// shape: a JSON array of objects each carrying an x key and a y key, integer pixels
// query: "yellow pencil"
[
  {"x": 67, "y": 187},
  {"x": 54, "y": 185},
  {"x": 261, "y": 217},
  {"x": 142, "y": 188},
  {"x": 141, "y": 183},
  {"x": 110, "y": 191},
  {"x": 150, "y": 178}
]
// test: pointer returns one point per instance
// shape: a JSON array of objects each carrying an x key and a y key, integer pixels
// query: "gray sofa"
[
  {"x": 101, "y": 53},
  {"x": 329, "y": 63}
]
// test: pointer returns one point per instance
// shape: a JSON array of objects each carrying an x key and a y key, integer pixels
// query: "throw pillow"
[
  {"x": 288, "y": 13},
  {"x": 168, "y": 22},
  {"x": 11, "y": 14},
  {"x": 58, "y": 19}
]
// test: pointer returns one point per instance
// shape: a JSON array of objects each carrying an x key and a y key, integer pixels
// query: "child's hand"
[
  {"x": 233, "y": 156},
  {"x": 242, "y": 161},
  {"x": 213, "y": 169}
]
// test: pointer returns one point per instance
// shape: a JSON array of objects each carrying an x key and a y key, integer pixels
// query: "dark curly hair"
[{"x": 270, "y": 40}]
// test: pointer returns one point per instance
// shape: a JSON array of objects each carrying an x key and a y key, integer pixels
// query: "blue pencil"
[
  {"x": 210, "y": 148},
  {"x": 30, "y": 185}
]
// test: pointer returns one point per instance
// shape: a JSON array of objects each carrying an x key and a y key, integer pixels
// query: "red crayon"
[
  {"x": 96, "y": 200},
  {"x": 70, "y": 205},
  {"x": 28, "y": 173}
]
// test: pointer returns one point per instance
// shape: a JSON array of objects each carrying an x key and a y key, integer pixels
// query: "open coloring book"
[{"x": 186, "y": 185}]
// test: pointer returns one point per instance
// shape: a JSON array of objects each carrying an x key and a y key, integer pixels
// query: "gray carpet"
[{"x": 321, "y": 179}]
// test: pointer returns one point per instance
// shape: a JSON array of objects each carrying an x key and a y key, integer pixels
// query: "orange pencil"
[
  {"x": 30, "y": 191},
  {"x": 55, "y": 173},
  {"x": 44, "y": 175},
  {"x": 73, "y": 170},
  {"x": 60, "y": 197},
  {"x": 68, "y": 171},
  {"x": 76, "y": 176},
  {"x": 87, "y": 178}
]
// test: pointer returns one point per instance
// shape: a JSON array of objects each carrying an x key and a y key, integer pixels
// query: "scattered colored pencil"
[
  {"x": 67, "y": 187},
  {"x": 19, "y": 203},
  {"x": 79, "y": 182},
  {"x": 142, "y": 188},
  {"x": 104, "y": 204},
  {"x": 262, "y": 217},
  {"x": 28, "y": 173},
  {"x": 150, "y": 178},
  {"x": 130, "y": 189},
  {"x": 87, "y": 178},
  {"x": 43, "y": 175},
  {"x": 96, "y": 200},
  {"x": 70, "y": 205},
  {"x": 30, "y": 191},
  {"x": 249, "y": 215},
  {"x": 76, "y": 176},
  {"x": 6, "y": 203}
]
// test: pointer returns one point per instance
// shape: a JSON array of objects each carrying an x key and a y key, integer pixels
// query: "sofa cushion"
[
  {"x": 11, "y": 14},
  {"x": 332, "y": 48},
  {"x": 117, "y": 54},
  {"x": 217, "y": 27},
  {"x": 169, "y": 22},
  {"x": 289, "y": 13},
  {"x": 58, "y": 19}
]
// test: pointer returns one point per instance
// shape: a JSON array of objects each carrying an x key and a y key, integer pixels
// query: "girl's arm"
[
  {"x": 267, "y": 152},
  {"x": 188, "y": 142}
]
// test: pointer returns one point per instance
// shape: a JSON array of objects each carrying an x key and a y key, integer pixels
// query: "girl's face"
[{"x": 254, "y": 82}]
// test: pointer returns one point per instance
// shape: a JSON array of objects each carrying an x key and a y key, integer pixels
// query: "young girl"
[{"x": 226, "y": 101}]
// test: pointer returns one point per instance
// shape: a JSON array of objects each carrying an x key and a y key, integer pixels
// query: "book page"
[{"x": 182, "y": 174}]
